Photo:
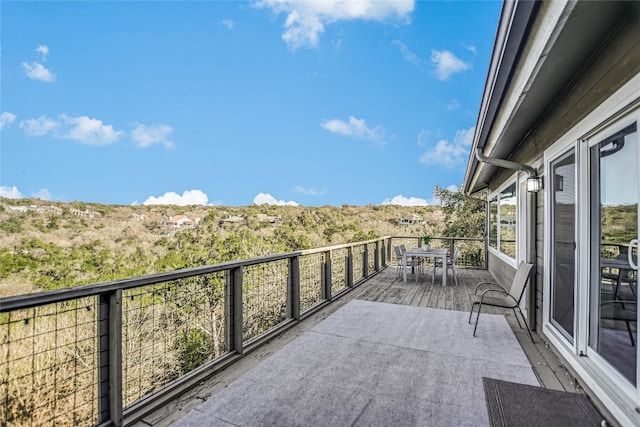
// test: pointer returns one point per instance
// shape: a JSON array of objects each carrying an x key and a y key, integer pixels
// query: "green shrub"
[{"x": 195, "y": 348}]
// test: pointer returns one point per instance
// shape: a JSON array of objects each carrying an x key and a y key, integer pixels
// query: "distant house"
[
  {"x": 26, "y": 208},
  {"x": 233, "y": 219},
  {"x": 412, "y": 219},
  {"x": 85, "y": 214},
  {"x": 18, "y": 208},
  {"x": 274, "y": 220},
  {"x": 181, "y": 221},
  {"x": 56, "y": 210},
  {"x": 137, "y": 217}
]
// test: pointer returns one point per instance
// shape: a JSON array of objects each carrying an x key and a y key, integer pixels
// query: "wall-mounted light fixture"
[{"x": 534, "y": 184}]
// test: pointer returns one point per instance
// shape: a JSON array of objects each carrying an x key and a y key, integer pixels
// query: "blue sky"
[{"x": 233, "y": 103}]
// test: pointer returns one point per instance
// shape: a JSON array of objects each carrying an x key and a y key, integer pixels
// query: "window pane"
[
  {"x": 563, "y": 222},
  {"x": 614, "y": 223},
  {"x": 493, "y": 223},
  {"x": 508, "y": 221}
]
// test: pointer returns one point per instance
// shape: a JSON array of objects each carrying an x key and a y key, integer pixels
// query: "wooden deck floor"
[{"x": 384, "y": 287}]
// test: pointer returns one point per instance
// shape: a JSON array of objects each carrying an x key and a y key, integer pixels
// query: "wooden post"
[
  {"x": 376, "y": 260},
  {"x": 327, "y": 275},
  {"x": 233, "y": 308},
  {"x": 110, "y": 357},
  {"x": 365, "y": 261},
  {"x": 294, "y": 288},
  {"x": 349, "y": 266}
]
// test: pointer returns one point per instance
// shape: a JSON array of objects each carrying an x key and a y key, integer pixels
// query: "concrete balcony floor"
[{"x": 385, "y": 287}]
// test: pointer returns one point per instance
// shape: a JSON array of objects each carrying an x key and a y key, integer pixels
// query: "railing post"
[
  {"x": 349, "y": 266},
  {"x": 376, "y": 260},
  {"x": 234, "y": 309},
  {"x": 389, "y": 244},
  {"x": 326, "y": 275},
  {"x": 110, "y": 357},
  {"x": 365, "y": 261},
  {"x": 294, "y": 287}
]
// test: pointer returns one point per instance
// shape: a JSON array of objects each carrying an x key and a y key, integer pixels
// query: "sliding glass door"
[
  {"x": 562, "y": 187},
  {"x": 613, "y": 188}
]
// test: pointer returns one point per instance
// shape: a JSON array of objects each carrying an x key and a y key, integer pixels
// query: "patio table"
[{"x": 431, "y": 253}]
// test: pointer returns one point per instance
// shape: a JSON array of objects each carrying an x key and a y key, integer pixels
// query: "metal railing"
[{"x": 108, "y": 353}]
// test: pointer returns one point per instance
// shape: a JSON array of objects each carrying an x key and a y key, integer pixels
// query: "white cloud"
[
  {"x": 145, "y": 136},
  {"x": 81, "y": 129},
  {"x": 355, "y": 128},
  {"x": 43, "y": 194},
  {"x": 10, "y": 192},
  {"x": 266, "y": 198},
  {"x": 89, "y": 131},
  {"x": 227, "y": 22},
  {"x": 454, "y": 104},
  {"x": 471, "y": 48},
  {"x": 450, "y": 154},
  {"x": 37, "y": 71},
  {"x": 43, "y": 50},
  {"x": 453, "y": 188},
  {"x": 407, "y": 54},
  {"x": 189, "y": 197},
  {"x": 6, "y": 118},
  {"x": 401, "y": 200},
  {"x": 306, "y": 20},
  {"x": 447, "y": 63},
  {"x": 310, "y": 191},
  {"x": 39, "y": 127},
  {"x": 14, "y": 193}
]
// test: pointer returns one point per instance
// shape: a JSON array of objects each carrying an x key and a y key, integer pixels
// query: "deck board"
[{"x": 386, "y": 287}]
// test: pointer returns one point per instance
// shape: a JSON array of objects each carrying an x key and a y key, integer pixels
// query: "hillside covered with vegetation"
[{"x": 45, "y": 245}]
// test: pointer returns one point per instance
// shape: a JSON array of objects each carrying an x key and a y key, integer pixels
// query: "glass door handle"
[{"x": 632, "y": 243}]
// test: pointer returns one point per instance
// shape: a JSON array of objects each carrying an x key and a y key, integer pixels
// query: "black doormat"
[{"x": 510, "y": 404}]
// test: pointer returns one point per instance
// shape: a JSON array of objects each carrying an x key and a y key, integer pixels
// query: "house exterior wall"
[
  {"x": 615, "y": 63},
  {"x": 500, "y": 270}
]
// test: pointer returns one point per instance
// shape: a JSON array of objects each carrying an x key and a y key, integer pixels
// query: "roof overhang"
[{"x": 540, "y": 48}]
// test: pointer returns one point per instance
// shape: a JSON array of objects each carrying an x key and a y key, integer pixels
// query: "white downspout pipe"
[{"x": 507, "y": 164}]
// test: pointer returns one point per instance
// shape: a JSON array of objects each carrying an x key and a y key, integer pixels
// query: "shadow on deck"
[{"x": 388, "y": 288}]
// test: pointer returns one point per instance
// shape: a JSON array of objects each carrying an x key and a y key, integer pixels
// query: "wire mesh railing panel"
[
  {"x": 311, "y": 280},
  {"x": 357, "y": 255},
  {"x": 48, "y": 365},
  {"x": 371, "y": 258},
  {"x": 338, "y": 270},
  {"x": 264, "y": 297},
  {"x": 169, "y": 329},
  {"x": 472, "y": 253}
]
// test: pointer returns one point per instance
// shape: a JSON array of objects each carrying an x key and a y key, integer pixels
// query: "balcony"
[{"x": 145, "y": 350}]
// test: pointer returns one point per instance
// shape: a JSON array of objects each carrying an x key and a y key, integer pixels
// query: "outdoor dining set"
[{"x": 415, "y": 259}]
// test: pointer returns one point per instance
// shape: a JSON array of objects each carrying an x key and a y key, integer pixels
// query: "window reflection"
[
  {"x": 493, "y": 223},
  {"x": 563, "y": 211},
  {"x": 614, "y": 222},
  {"x": 508, "y": 221}
]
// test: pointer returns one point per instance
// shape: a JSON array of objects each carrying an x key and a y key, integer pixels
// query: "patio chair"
[
  {"x": 496, "y": 296},
  {"x": 451, "y": 263},
  {"x": 412, "y": 262},
  {"x": 623, "y": 311}
]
